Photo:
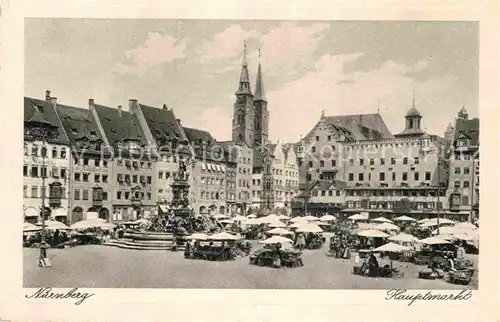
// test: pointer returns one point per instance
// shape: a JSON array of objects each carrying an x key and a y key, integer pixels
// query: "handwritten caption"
[
  {"x": 404, "y": 295},
  {"x": 46, "y": 293}
]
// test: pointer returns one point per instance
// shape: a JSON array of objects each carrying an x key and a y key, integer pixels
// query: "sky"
[{"x": 193, "y": 66}]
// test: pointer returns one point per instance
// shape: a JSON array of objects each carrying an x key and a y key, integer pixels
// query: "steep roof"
[
  {"x": 469, "y": 128},
  {"x": 260, "y": 94},
  {"x": 413, "y": 112},
  {"x": 360, "y": 126},
  {"x": 195, "y": 135},
  {"x": 118, "y": 128},
  {"x": 162, "y": 123},
  {"x": 326, "y": 184},
  {"x": 47, "y": 113},
  {"x": 79, "y": 125}
]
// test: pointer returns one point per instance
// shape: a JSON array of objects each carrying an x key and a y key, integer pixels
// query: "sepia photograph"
[{"x": 250, "y": 154}]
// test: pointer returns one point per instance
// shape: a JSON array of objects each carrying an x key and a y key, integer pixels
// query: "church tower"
[
  {"x": 243, "y": 115},
  {"x": 261, "y": 119}
]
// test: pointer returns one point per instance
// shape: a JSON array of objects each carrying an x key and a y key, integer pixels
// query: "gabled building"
[
  {"x": 326, "y": 196},
  {"x": 133, "y": 161},
  {"x": 50, "y": 160},
  {"x": 91, "y": 176},
  {"x": 463, "y": 188},
  {"x": 166, "y": 136}
]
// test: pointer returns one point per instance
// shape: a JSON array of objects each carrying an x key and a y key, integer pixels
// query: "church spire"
[
  {"x": 260, "y": 94},
  {"x": 244, "y": 86}
]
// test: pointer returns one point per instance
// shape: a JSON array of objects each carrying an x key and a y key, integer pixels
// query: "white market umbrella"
[
  {"x": 382, "y": 220},
  {"x": 252, "y": 221},
  {"x": 434, "y": 222},
  {"x": 327, "y": 218},
  {"x": 141, "y": 221},
  {"x": 436, "y": 240},
  {"x": 198, "y": 236},
  {"x": 279, "y": 231},
  {"x": 309, "y": 228},
  {"x": 423, "y": 221},
  {"x": 54, "y": 224},
  {"x": 270, "y": 218},
  {"x": 386, "y": 226},
  {"x": 92, "y": 223},
  {"x": 223, "y": 236},
  {"x": 391, "y": 247},
  {"x": 311, "y": 218},
  {"x": 252, "y": 216},
  {"x": 373, "y": 233},
  {"x": 28, "y": 227},
  {"x": 405, "y": 238},
  {"x": 465, "y": 225},
  {"x": 277, "y": 240},
  {"x": 298, "y": 220},
  {"x": 277, "y": 224},
  {"x": 462, "y": 236},
  {"x": 357, "y": 217},
  {"x": 404, "y": 218},
  {"x": 283, "y": 217},
  {"x": 226, "y": 221},
  {"x": 220, "y": 216}
]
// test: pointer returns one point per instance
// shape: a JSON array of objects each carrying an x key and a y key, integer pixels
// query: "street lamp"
[{"x": 40, "y": 129}]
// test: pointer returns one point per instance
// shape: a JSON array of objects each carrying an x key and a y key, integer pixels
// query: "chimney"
[
  {"x": 132, "y": 105},
  {"x": 47, "y": 95},
  {"x": 53, "y": 100},
  {"x": 91, "y": 104},
  {"x": 165, "y": 107},
  {"x": 119, "y": 110}
]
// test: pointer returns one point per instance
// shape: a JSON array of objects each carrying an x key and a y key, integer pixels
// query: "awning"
[
  {"x": 31, "y": 212},
  {"x": 212, "y": 167},
  {"x": 164, "y": 208},
  {"x": 60, "y": 212},
  {"x": 223, "y": 168},
  {"x": 218, "y": 168},
  {"x": 203, "y": 165}
]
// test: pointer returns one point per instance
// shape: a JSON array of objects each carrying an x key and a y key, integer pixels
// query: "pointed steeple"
[
  {"x": 244, "y": 86},
  {"x": 260, "y": 94}
]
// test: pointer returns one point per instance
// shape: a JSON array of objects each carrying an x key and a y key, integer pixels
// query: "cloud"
[
  {"x": 156, "y": 50},
  {"x": 299, "y": 103},
  {"x": 225, "y": 45},
  {"x": 284, "y": 48}
]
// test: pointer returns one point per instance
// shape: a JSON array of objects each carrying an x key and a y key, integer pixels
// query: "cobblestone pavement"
[{"x": 109, "y": 267}]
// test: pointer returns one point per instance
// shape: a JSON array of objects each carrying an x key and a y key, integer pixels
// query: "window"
[
  {"x": 369, "y": 176},
  {"x": 466, "y": 184},
  {"x": 97, "y": 178},
  {"x": 148, "y": 179},
  {"x": 427, "y": 175},
  {"x": 63, "y": 153},
  {"x": 405, "y": 160},
  {"x": 351, "y": 161},
  {"x": 127, "y": 195},
  {"x": 361, "y": 161},
  {"x": 330, "y": 193},
  {"x": 415, "y": 176},
  {"x": 382, "y": 161},
  {"x": 310, "y": 164},
  {"x": 313, "y": 149},
  {"x": 34, "y": 151},
  {"x": 118, "y": 195},
  {"x": 465, "y": 200},
  {"x": 329, "y": 138},
  {"x": 134, "y": 178},
  {"x": 334, "y": 163},
  {"x": 457, "y": 171},
  {"x": 85, "y": 194},
  {"x": 372, "y": 162},
  {"x": 44, "y": 172},
  {"x": 322, "y": 163},
  {"x": 361, "y": 176},
  {"x": 25, "y": 191},
  {"x": 104, "y": 163},
  {"x": 456, "y": 184},
  {"x": 76, "y": 194},
  {"x": 317, "y": 138},
  {"x": 34, "y": 192},
  {"x": 104, "y": 195},
  {"x": 160, "y": 175},
  {"x": 77, "y": 176},
  {"x": 416, "y": 160},
  {"x": 54, "y": 153},
  {"x": 85, "y": 178},
  {"x": 323, "y": 193},
  {"x": 85, "y": 161},
  {"x": 405, "y": 176},
  {"x": 25, "y": 170},
  {"x": 337, "y": 193},
  {"x": 105, "y": 178},
  {"x": 393, "y": 161},
  {"x": 381, "y": 176},
  {"x": 44, "y": 151},
  {"x": 466, "y": 170},
  {"x": 55, "y": 172},
  {"x": 351, "y": 176},
  {"x": 148, "y": 195},
  {"x": 34, "y": 172}
]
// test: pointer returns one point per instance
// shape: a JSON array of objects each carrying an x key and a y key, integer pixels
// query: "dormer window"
[{"x": 463, "y": 142}]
